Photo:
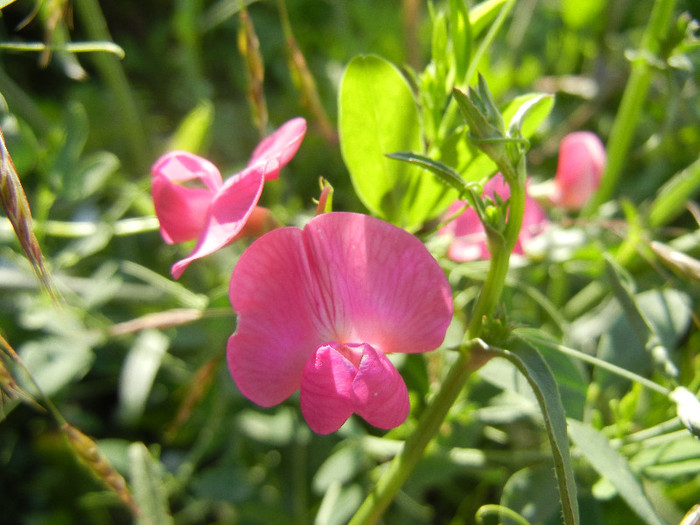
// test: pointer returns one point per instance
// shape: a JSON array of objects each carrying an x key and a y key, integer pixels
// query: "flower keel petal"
[
  {"x": 326, "y": 395},
  {"x": 381, "y": 396}
]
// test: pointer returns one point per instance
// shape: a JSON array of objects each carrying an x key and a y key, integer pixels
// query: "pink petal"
[
  {"x": 469, "y": 242},
  {"x": 228, "y": 213},
  {"x": 381, "y": 396},
  {"x": 376, "y": 284},
  {"x": 346, "y": 279},
  {"x": 469, "y": 237},
  {"x": 326, "y": 395},
  {"x": 270, "y": 290},
  {"x": 582, "y": 159},
  {"x": 181, "y": 211},
  {"x": 180, "y": 166},
  {"x": 278, "y": 149},
  {"x": 535, "y": 221}
]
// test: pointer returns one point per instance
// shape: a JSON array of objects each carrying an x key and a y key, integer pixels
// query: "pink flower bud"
[{"x": 581, "y": 162}]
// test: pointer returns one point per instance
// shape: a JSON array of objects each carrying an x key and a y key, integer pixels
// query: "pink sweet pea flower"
[
  {"x": 319, "y": 309},
  {"x": 581, "y": 162},
  {"x": 469, "y": 243},
  {"x": 216, "y": 212}
]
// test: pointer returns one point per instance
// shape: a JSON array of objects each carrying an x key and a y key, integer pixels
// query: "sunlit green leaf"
[
  {"x": 378, "y": 115},
  {"x": 527, "y": 112}
]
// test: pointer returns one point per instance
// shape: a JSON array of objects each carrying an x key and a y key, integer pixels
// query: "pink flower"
[
  {"x": 319, "y": 309},
  {"x": 469, "y": 243},
  {"x": 215, "y": 212},
  {"x": 581, "y": 162}
]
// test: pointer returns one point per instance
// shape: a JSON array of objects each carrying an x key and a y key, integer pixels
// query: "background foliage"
[{"x": 135, "y": 360}]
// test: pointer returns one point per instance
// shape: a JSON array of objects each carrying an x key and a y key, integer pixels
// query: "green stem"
[
  {"x": 114, "y": 76},
  {"x": 500, "y": 259},
  {"x": 403, "y": 464},
  {"x": 631, "y": 106}
]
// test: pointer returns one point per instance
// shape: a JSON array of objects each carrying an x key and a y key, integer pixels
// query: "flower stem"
[
  {"x": 500, "y": 259},
  {"x": 403, "y": 464}
]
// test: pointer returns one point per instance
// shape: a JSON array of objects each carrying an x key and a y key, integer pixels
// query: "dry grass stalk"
[
  {"x": 249, "y": 47},
  {"x": 14, "y": 202},
  {"x": 9, "y": 389},
  {"x": 86, "y": 449},
  {"x": 198, "y": 388}
]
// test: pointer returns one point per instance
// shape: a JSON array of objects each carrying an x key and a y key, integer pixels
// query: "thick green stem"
[{"x": 631, "y": 106}]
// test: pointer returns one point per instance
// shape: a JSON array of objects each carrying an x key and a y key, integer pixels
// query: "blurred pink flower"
[
  {"x": 469, "y": 243},
  {"x": 216, "y": 212},
  {"x": 319, "y": 309},
  {"x": 581, "y": 162}
]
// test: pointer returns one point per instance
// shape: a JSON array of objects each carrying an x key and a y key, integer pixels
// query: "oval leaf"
[{"x": 377, "y": 116}]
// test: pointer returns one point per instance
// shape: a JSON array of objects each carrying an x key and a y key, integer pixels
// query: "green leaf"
[
  {"x": 643, "y": 328},
  {"x": 578, "y": 15},
  {"x": 482, "y": 14},
  {"x": 531, "y": 492},
  {"x": 534, "y": 368},
  {"x": 138, "y": 373},
  {"x": 193, "y": 132},
  {"x": 56, "y": 361},
  {"x": 378, "y": 115},
  {"x": 525, "y": 113},
  {"x": 338, "y": 504},
  {"x": 460, "y": 32},
  {"x": 610, "y": 464},
  {"x": 148, "y": 487},
  {"x": 672, "y": 198}
]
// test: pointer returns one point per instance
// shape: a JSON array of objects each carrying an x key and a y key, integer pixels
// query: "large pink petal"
[
  {"x": 180, "y": 166},
  {"x": 228, "y": 213},
  {"x": 376, "y": 284},
  {"x": 381, "y": 396},
  {"x": 277, "y": 332},
  {"x": 181, "y": 211},
  {"x": 326, "y": 395},
  {"x": 278, "y": 149}
]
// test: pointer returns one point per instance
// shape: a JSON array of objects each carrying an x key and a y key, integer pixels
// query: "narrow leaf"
[
  {"x": 461, "y": 34},
  {"x": 148, "y": 487},
  {"x": 531, "y": 364},
  {"x": 614, "y": 467},
  {"x": 644, "y": 330},
  {"x": 672, "y": 198},
  {"x": 194, "y": 130},
  {"x": 524, "y": 114},
  {"x": 445, "y": 174},
  {"x": 482, "y": 14}
]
